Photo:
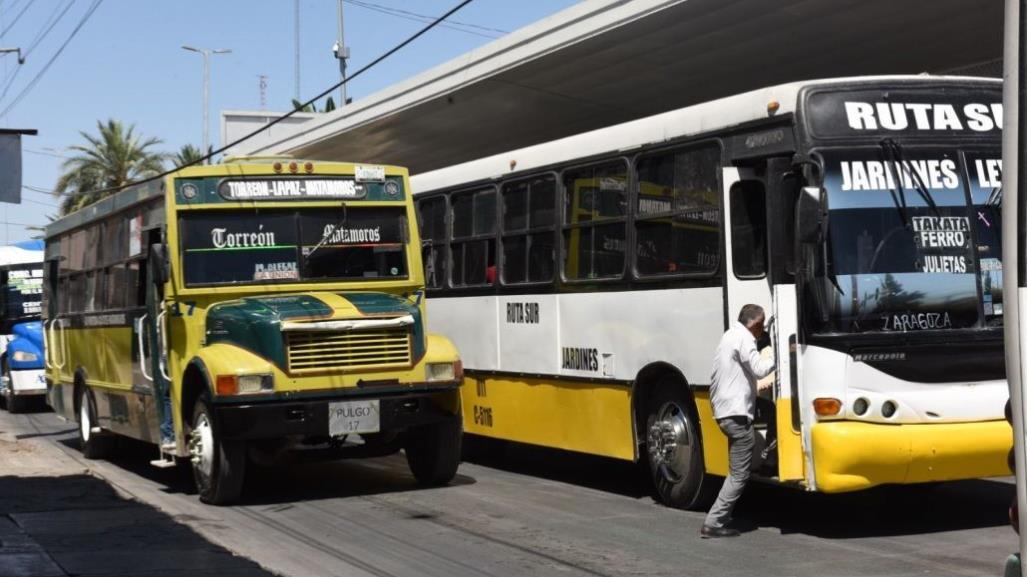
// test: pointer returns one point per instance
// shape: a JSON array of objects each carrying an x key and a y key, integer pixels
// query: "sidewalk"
[{"x": 56, "y": 521}]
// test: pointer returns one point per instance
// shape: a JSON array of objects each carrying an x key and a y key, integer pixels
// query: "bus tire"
[
  {"x": 218, "y": 464},
  {"x": 433, "y": 452},
  {"x": 93, "y": 445},
  {"x": 674, "y": 448},
  {"x": 10, "y": 401}
]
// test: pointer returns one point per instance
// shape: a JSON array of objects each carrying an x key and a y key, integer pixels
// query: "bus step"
[{"x": 164, "y": 462}]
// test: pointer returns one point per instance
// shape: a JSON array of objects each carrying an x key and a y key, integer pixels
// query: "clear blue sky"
[{"x": 126, "y": 62}]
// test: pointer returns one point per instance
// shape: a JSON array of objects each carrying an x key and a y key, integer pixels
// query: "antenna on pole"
[
  {"x": 341, "y": 51},
  {"x": 263, "y": 91},
  {"x": 297, "y": 48}
]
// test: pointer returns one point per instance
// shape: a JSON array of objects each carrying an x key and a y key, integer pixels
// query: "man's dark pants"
[{"x": 741, "y": 438}]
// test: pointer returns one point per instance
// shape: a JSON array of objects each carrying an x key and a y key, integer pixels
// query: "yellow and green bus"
[{"x": 237, "y": 312}]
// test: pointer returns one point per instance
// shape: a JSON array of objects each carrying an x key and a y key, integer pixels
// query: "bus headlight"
[
  {"x": 24, "y": 357},
  {"x": 443, "y": 371},
  {"x": 244, "y": 384}
]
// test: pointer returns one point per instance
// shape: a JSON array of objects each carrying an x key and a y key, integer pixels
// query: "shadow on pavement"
[
  {"x": 78, "y": 525},
  {"x": 282, "y": 483},
  {"x": 883, "y": 511}
]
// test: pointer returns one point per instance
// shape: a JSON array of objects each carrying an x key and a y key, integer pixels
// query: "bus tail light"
[
  {"x": 308, "y": 167},
  {"x": 827, "y": 406}
]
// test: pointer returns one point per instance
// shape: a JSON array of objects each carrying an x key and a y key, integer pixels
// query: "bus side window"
[
  {"x": 137, "y": 276},
  {"x": 432, "y": 216},
  {"x": 595, "y": 221},
  {"x": 474, "y": 244},
  {"x": 749, "y": 229},
  {"x": 529, "y": 206},
  {"x": 677, "y": 212}
]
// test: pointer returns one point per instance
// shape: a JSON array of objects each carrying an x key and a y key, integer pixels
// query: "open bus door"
[
  {"x": 1014, "y": 220},
  {"x": 760, "y": 253}
]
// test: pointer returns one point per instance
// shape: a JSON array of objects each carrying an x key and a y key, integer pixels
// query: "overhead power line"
[
  {"x": 16, "y": 18},
  {"x": 407, "y": 15},
  {"x": 32, "y": 83},
  {"x": 49, "y": 25},
  {"x": 289, "y": 114}
]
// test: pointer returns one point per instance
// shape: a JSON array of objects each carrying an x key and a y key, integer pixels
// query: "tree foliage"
[{"x": 110, "y": 159}]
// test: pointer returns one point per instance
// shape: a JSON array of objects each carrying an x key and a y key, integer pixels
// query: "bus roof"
[{"x": 692, "y": 120}]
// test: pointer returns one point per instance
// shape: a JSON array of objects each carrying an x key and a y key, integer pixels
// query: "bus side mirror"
[
  {"x": 159, "y": 264},
  {"x": 811, "y": 217}
]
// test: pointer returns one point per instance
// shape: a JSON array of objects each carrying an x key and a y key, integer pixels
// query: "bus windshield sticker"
[{"x": 290, "y": 189}]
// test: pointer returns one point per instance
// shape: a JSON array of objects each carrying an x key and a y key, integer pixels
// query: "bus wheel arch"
[
  {"x": 670, "y": 437},
  {"x": 94, "y": 445},
  {"x": 195, "y": 382}
]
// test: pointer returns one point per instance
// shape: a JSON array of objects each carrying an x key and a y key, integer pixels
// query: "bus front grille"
[{"x": 320, "y": 351}]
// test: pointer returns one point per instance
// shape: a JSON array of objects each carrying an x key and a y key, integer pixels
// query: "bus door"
[
  {"x": 757, "y": 265},
  {"x": 151, "y": 362},
  {"x": 54, "y": 351}
]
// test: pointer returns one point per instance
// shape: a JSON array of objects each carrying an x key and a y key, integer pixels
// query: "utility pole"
[
  {"x": 206, "y": 52},
  {"x": 297, "y": 48},
  {"x": 341, "y": 52}
]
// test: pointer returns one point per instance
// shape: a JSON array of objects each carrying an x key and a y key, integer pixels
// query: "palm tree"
[
  {"x": 186, "y": 155},
  {"x": 108, "y": 161}
]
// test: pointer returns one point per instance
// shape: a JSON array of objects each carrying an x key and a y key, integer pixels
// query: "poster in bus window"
[
  {"x": 24, "y": 293},
  {"x": 239, "y": 248}
]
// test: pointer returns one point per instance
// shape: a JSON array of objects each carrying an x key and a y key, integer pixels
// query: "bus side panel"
[
  {"x": 105, "y": 354},
  {"x": 581, "y": 416},
  {"x": 714, "y": 443},
  {"x": 790, "y": 459}
]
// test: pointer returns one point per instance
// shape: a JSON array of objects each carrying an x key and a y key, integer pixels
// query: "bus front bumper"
[
  {"x": 309, "y": 418},
  {"x": 28, "y": 382},
  {"x": 849, "y": 455}
]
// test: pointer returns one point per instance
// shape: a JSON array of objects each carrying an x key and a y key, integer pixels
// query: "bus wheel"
[
  {"x": 433, "y": 452},
  {"x": 10, "y": 401},
  {"x": 674, "y": 449},
  {"x": 218, "y": 464},
  {"x": 92, "y": 444}
]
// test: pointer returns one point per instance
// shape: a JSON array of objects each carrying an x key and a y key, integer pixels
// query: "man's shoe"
[{"x": 708, "y": 532}]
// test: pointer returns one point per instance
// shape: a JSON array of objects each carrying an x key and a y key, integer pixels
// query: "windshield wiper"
[
  {"x": 897, "y": 165},
  {"x": 328, "y": 235}
]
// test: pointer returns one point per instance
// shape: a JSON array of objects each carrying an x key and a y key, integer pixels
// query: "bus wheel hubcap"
[
  {"x": 669, "y": 442},
  {"x": 201, "y": 445}
]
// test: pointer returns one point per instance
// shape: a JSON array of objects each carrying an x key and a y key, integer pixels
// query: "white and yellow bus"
[
  {"x": 248, "y": 309},
  {"x": 587, "y": 280}
]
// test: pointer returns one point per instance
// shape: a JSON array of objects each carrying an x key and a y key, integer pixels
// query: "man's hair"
[{"x": 750, "y": 314}]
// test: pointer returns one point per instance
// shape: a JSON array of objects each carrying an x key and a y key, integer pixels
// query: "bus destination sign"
[{"x": 291, "y": 189}]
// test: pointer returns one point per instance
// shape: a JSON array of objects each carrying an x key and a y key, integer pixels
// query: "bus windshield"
[
  {"x": 258, "y": 246},
  {"x": 913, "y": 243},
  {"x": 23, "y": 293}
]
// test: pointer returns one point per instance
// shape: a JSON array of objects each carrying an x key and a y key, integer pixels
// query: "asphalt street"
[{"x": 537, "y": 512}]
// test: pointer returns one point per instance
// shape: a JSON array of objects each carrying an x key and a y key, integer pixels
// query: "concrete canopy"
[{"x": 603, "y": 62}]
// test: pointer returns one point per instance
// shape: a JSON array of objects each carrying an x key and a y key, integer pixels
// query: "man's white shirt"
[{"x": 737, "y": 365}]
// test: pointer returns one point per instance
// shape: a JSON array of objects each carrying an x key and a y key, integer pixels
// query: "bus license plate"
[{"x": 349, "y": 417}]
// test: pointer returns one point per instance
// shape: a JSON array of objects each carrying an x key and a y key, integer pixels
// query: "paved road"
[{"x": 539, "y": 513}]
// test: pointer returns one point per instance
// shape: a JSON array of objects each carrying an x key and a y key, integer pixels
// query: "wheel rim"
[
  {"x": 201, "y": 446},
  {"x": 670, "y": 442},
  {"x": 85, "y": 425}
]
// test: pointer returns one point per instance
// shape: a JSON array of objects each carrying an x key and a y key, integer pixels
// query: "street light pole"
[{"x": 206, "y": 52}]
